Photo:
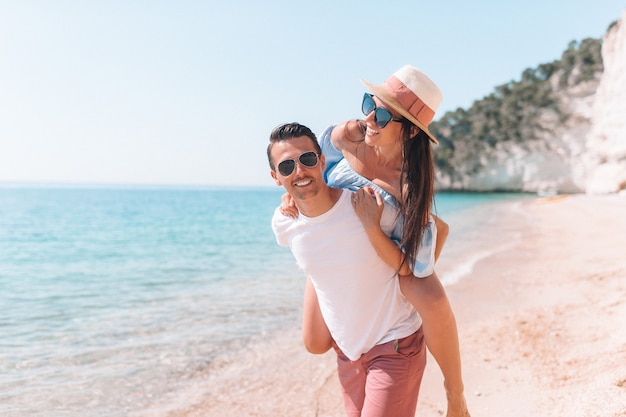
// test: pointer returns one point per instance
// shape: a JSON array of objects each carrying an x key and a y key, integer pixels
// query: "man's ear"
[
  {"x": 276, "y": 180},
  {"x": 323, "y": 162}
]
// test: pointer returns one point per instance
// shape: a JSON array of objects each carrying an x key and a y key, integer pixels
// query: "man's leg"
[
  {"x": 394, "y": 374},
  {"x": 352, "y": 380}
]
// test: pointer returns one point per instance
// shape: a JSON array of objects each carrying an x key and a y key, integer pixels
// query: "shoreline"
[{"x": 540, "y": 326}]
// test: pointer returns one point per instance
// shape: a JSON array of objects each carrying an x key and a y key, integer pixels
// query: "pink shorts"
[{"x": 384, "y": 381}]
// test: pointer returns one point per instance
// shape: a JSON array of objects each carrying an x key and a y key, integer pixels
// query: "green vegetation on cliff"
[{"x": 510, "y": 113}]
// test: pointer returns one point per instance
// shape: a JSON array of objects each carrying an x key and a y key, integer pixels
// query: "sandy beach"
[{"x": 542, "y": 327}]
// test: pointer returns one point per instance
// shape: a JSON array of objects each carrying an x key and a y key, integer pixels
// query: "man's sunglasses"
[
  {"x": 382, "y": 116},
  {"x": 307, "y": 159}
]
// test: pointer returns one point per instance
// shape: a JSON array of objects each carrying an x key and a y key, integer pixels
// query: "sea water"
[{"x": 111, "y": 298}]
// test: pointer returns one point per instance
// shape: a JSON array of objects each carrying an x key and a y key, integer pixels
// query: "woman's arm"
[
  {"x": 370, "y": 212},
  {"x": 348, "y": 135}
]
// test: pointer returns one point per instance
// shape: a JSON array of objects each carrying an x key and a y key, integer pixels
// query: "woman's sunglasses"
[
  {"x": 307, "y": 159},
  {"x": 382, "y": 116}
]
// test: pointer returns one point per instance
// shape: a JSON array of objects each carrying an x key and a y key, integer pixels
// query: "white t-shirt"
[
  {"x": 340, "y": 174},
  {"x": 358, "y": 293}
]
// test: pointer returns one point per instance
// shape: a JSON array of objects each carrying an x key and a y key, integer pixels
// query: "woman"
[{"x": 390, "y": 154}]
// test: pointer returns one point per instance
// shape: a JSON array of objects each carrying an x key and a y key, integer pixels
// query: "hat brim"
[{"x": 382, "y": 93}]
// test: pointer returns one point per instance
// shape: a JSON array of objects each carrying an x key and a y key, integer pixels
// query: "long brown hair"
[{"x": 417, "y": 188}]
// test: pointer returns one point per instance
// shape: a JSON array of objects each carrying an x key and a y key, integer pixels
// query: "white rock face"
[
  {"x": 605, "y": 160},
  {"x": 585, "y": 152}
]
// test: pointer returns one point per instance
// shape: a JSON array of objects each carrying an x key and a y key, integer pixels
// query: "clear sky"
[{"x": 187, "y": 91}]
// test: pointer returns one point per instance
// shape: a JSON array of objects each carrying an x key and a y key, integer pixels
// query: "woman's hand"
[
  {"x": 349, "y": 134},
  {"x": 288, "y": 206},
  {"x": 368, "y": 205}
]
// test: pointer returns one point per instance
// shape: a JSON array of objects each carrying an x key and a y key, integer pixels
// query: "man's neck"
[{"x": 319, "y": 204}]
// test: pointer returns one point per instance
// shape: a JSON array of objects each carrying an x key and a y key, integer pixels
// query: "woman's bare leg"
[
  {"x": 315, "y": 334},
  {"x": 440, "y": 333}
]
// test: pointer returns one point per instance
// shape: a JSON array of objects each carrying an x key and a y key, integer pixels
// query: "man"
[{"x": 376, "y": 332}]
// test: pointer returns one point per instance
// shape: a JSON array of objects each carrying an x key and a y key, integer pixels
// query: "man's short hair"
[{"x": 289, "y": 131}]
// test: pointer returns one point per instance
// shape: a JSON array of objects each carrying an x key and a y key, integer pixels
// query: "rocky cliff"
[
  {"x": 557, "y": 130},
  {"x": 605, "y": 162}
]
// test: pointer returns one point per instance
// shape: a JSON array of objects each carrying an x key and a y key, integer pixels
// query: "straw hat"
[{"x": 412, "y": 94}]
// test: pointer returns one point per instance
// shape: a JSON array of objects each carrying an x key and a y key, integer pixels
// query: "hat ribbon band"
[{"x": 409, "y": 100}]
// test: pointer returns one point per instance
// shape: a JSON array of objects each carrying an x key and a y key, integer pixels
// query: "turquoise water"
[{"x": 113, "y": 297}]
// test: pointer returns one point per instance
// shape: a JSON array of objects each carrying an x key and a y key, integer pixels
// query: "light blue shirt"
[{"x": 339, "y": 174}]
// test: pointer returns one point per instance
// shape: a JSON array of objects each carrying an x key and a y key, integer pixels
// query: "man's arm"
[{"x": 315, "y": 334}]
